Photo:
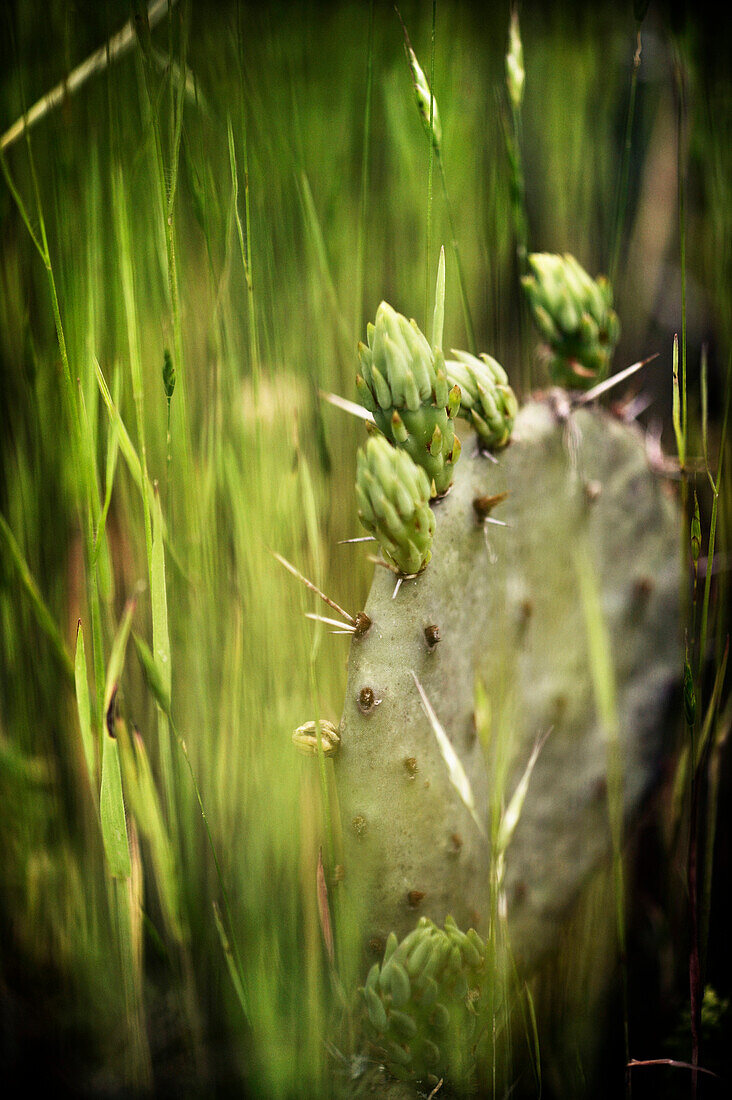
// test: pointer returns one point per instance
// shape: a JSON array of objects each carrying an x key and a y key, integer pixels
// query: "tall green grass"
[{"x": 231, "y": 197}]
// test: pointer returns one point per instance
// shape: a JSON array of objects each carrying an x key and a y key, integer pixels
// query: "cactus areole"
[{"x": 500, "y": 611}]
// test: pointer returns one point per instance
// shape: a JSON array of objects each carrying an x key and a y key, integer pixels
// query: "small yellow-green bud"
[{"x": 305, "y": 738}]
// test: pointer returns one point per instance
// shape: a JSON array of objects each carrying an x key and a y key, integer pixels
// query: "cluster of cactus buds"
[
  {"x": 574, "y": 314},
  {"x": 414, "y": 397},
  {"x": 404, "y": 384},
  {"x": 393, "y": 496},
  {"x": 424, "y": 1001},
  {"x": 487, "y": 400}
]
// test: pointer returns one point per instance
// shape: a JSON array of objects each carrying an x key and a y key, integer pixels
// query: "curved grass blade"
[{"x": 83, "y": 706}]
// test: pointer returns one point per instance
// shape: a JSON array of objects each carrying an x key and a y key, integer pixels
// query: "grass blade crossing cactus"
[
  {"x": 393, "y": 504},
  {"x": 486, "y": 400},
  {"x": 404, "y": 384},
  {"x": 574, "y": 314}
]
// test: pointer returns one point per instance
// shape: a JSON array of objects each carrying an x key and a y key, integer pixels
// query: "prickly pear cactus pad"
[{"x": 498, "y": 614}]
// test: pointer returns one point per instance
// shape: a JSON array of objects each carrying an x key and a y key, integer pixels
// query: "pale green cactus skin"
[
  {"x": 574, "y": 314},
  {"x": 393, "y": 496},
  {"x": 404, "y": 384},
  {"x": 486, "y": 399},
  {"x": 425, "y": 1000},
  {"x": 506, "y": 604}
]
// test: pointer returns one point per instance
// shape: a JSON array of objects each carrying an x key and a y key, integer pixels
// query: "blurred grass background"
[{"x": 217, "y": 216}]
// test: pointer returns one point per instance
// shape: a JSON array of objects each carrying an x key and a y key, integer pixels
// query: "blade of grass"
[
  {"x": 363, "y": 199},
  {"x": 95, "y": 63},
  {"x": 621, "y": 203},
  {"x": 711, "y": 545},
  {"x": 312, "y": 221},
  {"x": 154, "y": 682},
  {"x": 161, "y": 651},
  {"x": 455, "y": 770},
  {"x": 602, "y": 675},
  {"x": 148, "y": 814},
  {"x": 231, "y": 962},
  {"x": 717, "y": 750},
  {"x": 84, "y": 708},
  {"x": 126, "y": 271},
  {"x": 111, "y": 802},
  {"x": 43, "y": 616}
]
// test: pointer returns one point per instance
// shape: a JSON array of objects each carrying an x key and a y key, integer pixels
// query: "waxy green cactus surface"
[{"x": 498, "y": 614}]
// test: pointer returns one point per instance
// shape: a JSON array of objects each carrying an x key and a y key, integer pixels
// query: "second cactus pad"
[
  {"x": 574, "y": 314},
  {"x": 393, "y": 504},
  {"x": 404, "y": 384}
]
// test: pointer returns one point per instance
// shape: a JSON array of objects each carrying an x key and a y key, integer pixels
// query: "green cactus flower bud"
[
  {"x": 419, "y": 956},
  {"x": 393, "y": 496},
  {"x": 487, "y": 400},
  {"x": 574, "y": 315},
  {"x": 440, "y": 1017},
  {"x": 433, "y": 1015},
  {"x": 404, "y": 384},
  {"x": 376, "y": 1010}
]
